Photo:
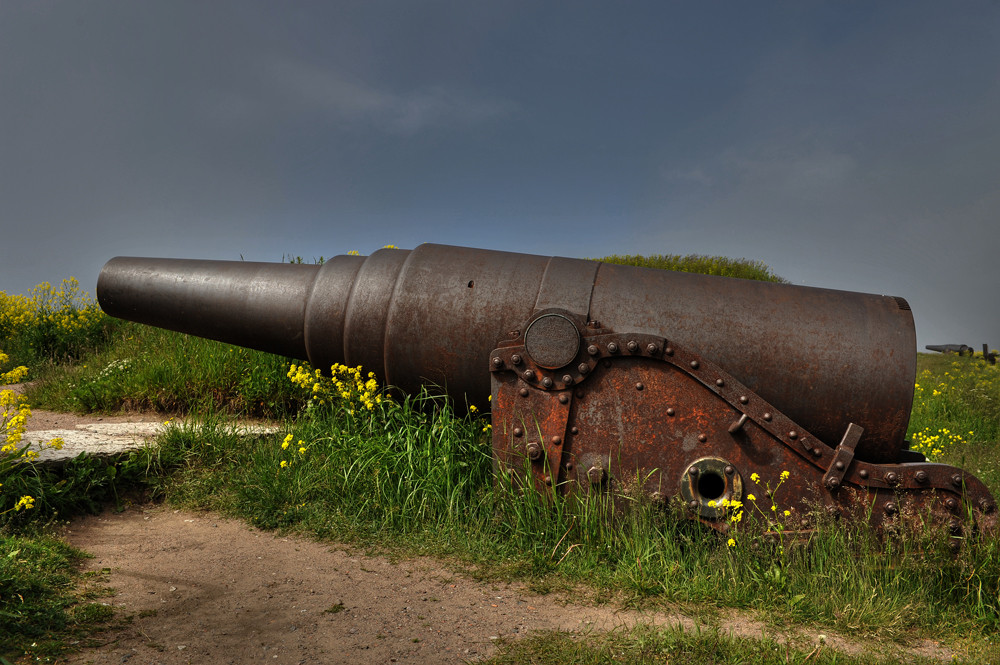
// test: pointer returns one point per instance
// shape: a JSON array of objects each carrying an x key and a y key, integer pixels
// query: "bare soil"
[{"x": 200, "y": 588}]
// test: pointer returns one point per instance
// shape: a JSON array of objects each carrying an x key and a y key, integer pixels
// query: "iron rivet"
[
  {"x": 524, "y": 392},
  {"x": 803, "y": 523},
  {"x": 863, "y": 473},
  {"x": 955, "y": 527},
  {"x": 669, "y": 351},
  {"x": 720, "y": 382},
  {"x": 695, "y": 364},
  {"x": 547, "y": 382},
  {"x": 920, "y": 476},
  {"x": 534, "y": 451},
  {"x": 987, "y": 506},
  {"x": 518, "y": 431},
  {"x": 891, "y": 478},
  {"x": 632, "y": 345},
  {"x": 951, "y": 503},
  {"x": 639, "y": 386},
  {"x": 583, "y": 368},
  {"x": 817, "y": 452},
  {"x": 839, "y": 465},
  {"x": 516, "y": 359},
  {"x": 569, "y": 466},
  {"x": 529, "y": 375},
  {"x": 890, "y": 508},
  {"x": 563, "y": 399},
  {"x": 593, "y": 350},
  {"x": 568, "y": 379},
  {"x": 793, "y": 435},
  {"x": 579, "y": 394},
  {"x": 574, "y": 430},
  {"x": 651, "y": 349},
  {"x": 670, "y": 412},
  {"x": 767, "y": 417},
  {"x": 693, "y": 471},
  {"x": 743, "y": 399},
  {"x": 730, "y": 470},
  {"x": 612, "y": 347},
  {"x": 702, "y": 438},
  {"x": 832, "y": 483},
  {"x": 956, "y": 480},
  {"x": 556, "y": 440},
  {"x": 692, "y": 504},
  {"x": 548, "y": 480},
  {"x": 497, "y": 361}
]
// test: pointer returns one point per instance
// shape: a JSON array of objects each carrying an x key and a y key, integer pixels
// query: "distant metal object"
[
  {"x": 988, "y": 356},
  {"x": 960, "y": 349},
  {"x": 603, "y": 378}
]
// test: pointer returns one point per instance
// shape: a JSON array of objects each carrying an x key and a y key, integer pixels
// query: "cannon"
[{"x": 692, "y": 390}]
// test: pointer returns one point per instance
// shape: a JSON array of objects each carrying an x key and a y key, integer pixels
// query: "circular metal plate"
[{"x": 552, "y": 341}]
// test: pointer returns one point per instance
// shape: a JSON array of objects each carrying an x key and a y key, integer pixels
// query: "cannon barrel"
[{"x": 431, "y": 315}]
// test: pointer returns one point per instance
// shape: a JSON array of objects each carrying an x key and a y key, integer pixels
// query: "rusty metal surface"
[{"x": 653, "y": 418}]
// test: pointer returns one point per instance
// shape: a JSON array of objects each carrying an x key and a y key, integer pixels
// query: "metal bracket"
[{"x": 842, "y": 457}]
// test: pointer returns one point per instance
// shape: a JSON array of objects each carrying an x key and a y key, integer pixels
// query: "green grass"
[
  {"x": 42, "y": 604},
  {"x": 705, "y": 265},
  {"x": 676, "y": 646}
]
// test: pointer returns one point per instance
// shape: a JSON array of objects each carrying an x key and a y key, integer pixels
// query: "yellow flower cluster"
[
  {"x": 65, "y": 309},
  {"x": 933, "y": 444},
  {"x": 14, "y": 414},
  {"x": 349, "y": 384},
  {"x": 736, "y": 508}
]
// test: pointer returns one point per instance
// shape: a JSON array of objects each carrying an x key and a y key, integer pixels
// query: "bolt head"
[
  {"x": 633, "y": 346},
  {"x": 891, "y": 478},
  {"x": 669, "y": 351},
  {"x": 693, "y": 471},
  {"x": 534, "y": 451},
  {"x": 563, "y": 399},
  {"x": 639, "y": 386},
  {"x": 516, "y": 359},
  {"x": 793, "y": 435},
  {"x": 547, "y": 382},
  {"x": 612, "y": 347},
  {"x": 951, "y": 503},
  {"x": 518, "y": 431},
  {"x": 956, "y": 480},
  {"x": 832, "y": 483},
  {"x": 987, "y": 506},
  {"x": 529, "y": 375},
  {"x": 567, "y": 379},
  {"x": 817, "y": 452},
  {"x": 596, "y": 475},
  {"x": 692, "y": 504},
  {"x": 890, "y": 508},
  {"x": 730, "y": 470},
  {"x": 574, "y": 430},
  {"x": 593, "y": 350},
  {"x": 702, "y": 438},
  {"x": 548, "y": 480},
  {"x": 720, "y": 382},
  {"x": 863, "y": 473},
  {"x": 523, "y": 392},
  {"x": 670, "y": 412},
  {"x": 556, "y": 440},
  {"x": 651, "y": 349},
  {"x": 767, "y": 417},
  {"x": 583, "y": 368},
  {"x": 695, "y": 364},
  {"x": 743, "y": 399},
  {"x": 920, "y": 476},
  {"x": 839, "y": 465}
]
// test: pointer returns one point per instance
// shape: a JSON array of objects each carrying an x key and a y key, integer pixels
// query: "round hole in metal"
[{"x": 711, "y": 485}]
